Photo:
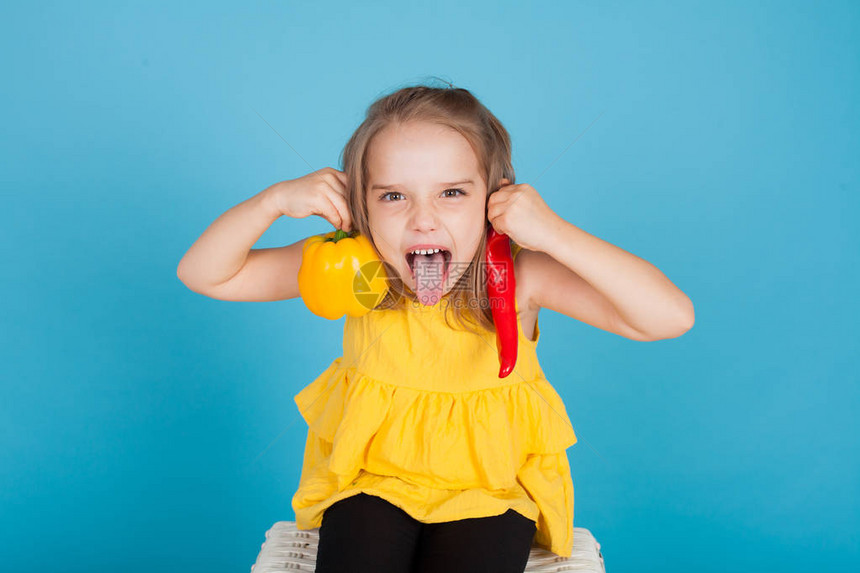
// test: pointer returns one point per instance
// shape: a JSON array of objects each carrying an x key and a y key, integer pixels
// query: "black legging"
[{"x": 366, "y": 534}]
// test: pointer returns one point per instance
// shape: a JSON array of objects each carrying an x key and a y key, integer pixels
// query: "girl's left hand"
[{"x": 519, "y": 212}]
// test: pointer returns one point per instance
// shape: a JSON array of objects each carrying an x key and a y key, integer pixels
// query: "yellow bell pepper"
[{"x": 341, "y": 274}]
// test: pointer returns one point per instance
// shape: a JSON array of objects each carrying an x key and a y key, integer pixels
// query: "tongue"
[{"x": 429, "y": 270}]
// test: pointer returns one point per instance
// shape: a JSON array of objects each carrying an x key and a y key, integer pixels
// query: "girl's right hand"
[{"x": 320, "y": 193}]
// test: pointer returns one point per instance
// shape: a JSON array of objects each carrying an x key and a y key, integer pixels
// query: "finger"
[
  {"x": 499, "y": 196},
  {"x": 341, "y": 176},
  {"x": 496, "y": 207},
  {"x": 329, "y": 211},
  {"x": 333, "y": 182},
  {"x": 494, "y": 213},
  {"x": 339, "y": 202},
  {"x": 496, "y": 222},
  {"x": 335, "y": 178}
]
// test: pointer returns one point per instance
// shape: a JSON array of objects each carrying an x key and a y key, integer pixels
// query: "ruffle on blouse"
[{"x": 448, "y": 440}]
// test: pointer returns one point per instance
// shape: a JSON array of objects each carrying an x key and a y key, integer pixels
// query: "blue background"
[{"x": 144, "y": 427}]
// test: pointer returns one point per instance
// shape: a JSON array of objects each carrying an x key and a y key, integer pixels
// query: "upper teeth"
[{"x": 425, "y": 251}]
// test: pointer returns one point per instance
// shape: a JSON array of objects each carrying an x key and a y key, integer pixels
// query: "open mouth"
[{"x": 411, "y": 259}]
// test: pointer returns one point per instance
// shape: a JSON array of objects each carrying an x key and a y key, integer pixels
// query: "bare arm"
[
  {"x": 582, "y": 276},
  {"x": 221, "y": 251},
  {"x": 221, "y": 263},
  {"x": 634, "y": 297}
]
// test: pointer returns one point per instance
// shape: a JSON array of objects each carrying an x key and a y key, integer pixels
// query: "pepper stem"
[{"x": 340, "y": 234}]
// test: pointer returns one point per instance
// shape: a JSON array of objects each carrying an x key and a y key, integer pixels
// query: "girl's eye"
[{"x": 384, "y": 195}]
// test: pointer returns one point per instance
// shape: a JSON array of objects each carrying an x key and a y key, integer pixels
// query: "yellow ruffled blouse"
[{"x": 415, "y": 412}]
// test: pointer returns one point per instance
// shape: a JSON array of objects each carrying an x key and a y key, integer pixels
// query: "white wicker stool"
[{"x": 288, "y": 549}]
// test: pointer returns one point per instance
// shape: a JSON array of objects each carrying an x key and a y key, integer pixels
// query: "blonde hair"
[{"x": 457, "y": 109}]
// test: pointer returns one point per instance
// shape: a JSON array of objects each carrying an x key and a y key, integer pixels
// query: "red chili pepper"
[{"x": 501, "y": 288}]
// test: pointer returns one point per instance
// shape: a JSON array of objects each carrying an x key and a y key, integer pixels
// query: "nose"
[{"x": 424, "y": 217}]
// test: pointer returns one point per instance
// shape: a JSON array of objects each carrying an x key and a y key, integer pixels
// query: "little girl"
[{"x": 418, "y": 456}]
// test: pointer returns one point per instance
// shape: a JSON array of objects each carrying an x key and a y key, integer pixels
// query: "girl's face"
[{"x": 425, "y": 190}]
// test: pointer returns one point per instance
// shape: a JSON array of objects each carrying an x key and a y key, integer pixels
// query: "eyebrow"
[{"x": 464, "y": 182}]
